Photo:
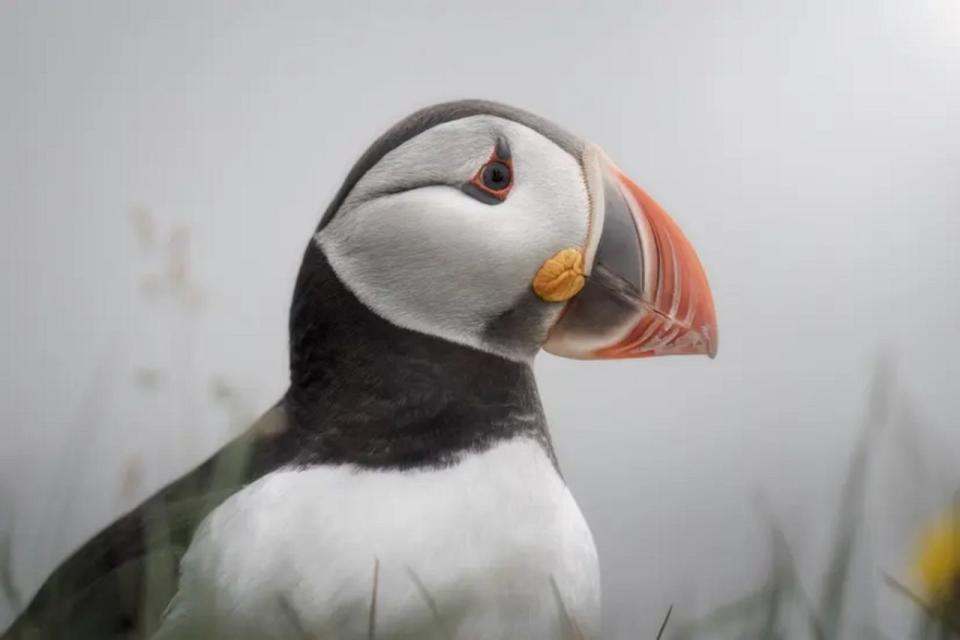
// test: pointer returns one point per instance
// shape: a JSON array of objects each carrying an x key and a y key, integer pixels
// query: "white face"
[{"x": 424, "y": 255}]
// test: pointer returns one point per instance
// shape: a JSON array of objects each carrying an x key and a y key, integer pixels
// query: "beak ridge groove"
[{"x": 646, "y": 293}]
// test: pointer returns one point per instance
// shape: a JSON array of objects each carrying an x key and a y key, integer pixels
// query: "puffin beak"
[{"x": 646, "y": 293}]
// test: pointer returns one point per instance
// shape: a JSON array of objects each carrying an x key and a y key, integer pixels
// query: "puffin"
[{"x": 405, "y": 485}]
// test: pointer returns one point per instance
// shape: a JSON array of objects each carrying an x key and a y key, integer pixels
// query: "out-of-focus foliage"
[{"x": 771, "y": 611}]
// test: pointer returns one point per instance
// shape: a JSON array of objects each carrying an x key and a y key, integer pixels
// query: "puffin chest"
[{"x": 492, "y": 544}]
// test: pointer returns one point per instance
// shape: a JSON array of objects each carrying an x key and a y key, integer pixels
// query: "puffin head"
[{"x": 490, "y": 227}]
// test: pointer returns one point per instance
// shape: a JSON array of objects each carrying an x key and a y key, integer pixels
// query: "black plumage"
[{"x": 363, "y": 391}]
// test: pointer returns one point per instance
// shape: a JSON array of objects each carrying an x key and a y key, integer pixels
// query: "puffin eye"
[
  {"x": 496, "y": 176},
  {"x": 493, "y": 181}
]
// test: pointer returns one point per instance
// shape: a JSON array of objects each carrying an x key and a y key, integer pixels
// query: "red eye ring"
[{"x": 494, "y": 179}]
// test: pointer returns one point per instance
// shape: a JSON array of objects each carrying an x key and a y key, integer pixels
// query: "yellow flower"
[{"x": 938, "y": 560}]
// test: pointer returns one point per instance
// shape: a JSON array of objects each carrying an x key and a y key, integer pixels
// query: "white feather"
[
  {"x": 433, "y": 259},
  {"x": 492, "y": 547}
]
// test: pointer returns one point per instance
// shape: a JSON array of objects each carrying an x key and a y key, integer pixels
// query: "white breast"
[{"x": 492, "y": 547}]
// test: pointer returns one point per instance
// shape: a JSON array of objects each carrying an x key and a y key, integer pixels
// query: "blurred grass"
[
  {"x": 763, "y": 613},
  {"x": 7, "y": 587},
  {"x": 770, "y": 611}
]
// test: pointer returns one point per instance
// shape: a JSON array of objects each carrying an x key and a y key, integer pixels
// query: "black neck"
[{"x": 365, "y": 391}]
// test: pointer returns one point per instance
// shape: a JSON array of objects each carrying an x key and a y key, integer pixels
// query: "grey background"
[{"x": 162, "y": 165}]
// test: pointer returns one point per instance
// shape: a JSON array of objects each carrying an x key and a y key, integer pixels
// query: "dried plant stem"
[
  {"x": 372, "y": 620},
  {"x": 572, "y": 628},
  {"x": 431, "y": 603},
  {"x": 663, "y": 625}
]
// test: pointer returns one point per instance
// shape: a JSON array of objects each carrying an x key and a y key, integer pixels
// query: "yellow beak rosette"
[{"x": 561, "y": 276}]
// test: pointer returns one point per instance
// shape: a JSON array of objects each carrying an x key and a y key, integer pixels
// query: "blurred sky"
[{"x": 163, "y": 164}]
